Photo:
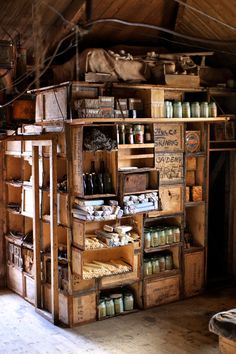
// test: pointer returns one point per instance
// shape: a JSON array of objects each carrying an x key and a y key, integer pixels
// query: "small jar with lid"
[
  {"x": 147, "y": 238},
  {"x": 168, "y": 109},
  {"x": 177, "y": 109},
  {"x": 169, "y": 235},
  {"x": 102, "y": 309},
  {"x": 138, "y": 134},
  {"x": 118, "y": 303},
  {"x": 162, "y": 237},
  {"x": 162, "y": 263},
  {"x": 155, "y": 237},
  {"x": 169, "y": 262},
  {"x": 212, "y": 110},
  {"x": 129, "y": 136},
  {"x": 147, "y": 267},
  {"x": 128, "y": 301},
  {"x": 186, "y": 111},
  {"x": 176, "y": 232},
  {"x": 204, "y": 110},
  {"x": 110, "y": 308},
  {"x": 195, "y": 110},
  {"x": 155, "y": 265}
]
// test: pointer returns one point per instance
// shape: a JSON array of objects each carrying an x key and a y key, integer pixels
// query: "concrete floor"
[{"x": 177, "y": 328}]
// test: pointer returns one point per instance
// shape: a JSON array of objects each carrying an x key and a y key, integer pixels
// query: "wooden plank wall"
[{"x": 2, "y": 252}]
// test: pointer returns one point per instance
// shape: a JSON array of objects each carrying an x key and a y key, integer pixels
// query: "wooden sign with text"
[{"x": 168, "y": 137}]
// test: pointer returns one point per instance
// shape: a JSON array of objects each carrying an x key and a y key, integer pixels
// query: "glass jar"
[
  {"x": 147, "y": 267},
  {"x": 168, "y": 109},
  {"x": 204, "y": 110},
  {"x": 147, "y": 134},
  {"x": 169, "y": 235},
  {"x": 110, "y": 308},
  {"x": 138, "y": 134},
  {"x": 162, "y": 237},
  {"x": 169, "y": 262},
  {"x": 195, "y": 110},
  {"x": 155, "y": 266},
  {"x": 155, "y": 238},
  {"x": 147, "y": 239},
  {"x": 129, "y": 136},
  {"x": 128, "y": 302},
  {"x": 162, "y": 263},
  {"x": 176, "y": 234},
  {"x": 177, "y": 109},
  {"x": 118, "y": 303},
  {"x": 212, "y": 110},
  {"x": 102, "y": 309},
  {"x": 186, "y": 111}
]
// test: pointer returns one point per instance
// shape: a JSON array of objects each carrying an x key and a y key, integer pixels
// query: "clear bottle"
[
  {"x": 147, "y": 267},
  {"x": 138, "y": 134},
  {"x": 147, "y": 134},
  {"x": 195, "y": 110},
  {"x": 155, "y": 266},
  {"x": 204, "y": 110},
  {"x": 162, "y": 263},
  {"x": 118, "y": 303},
  {"x": 169, "y": 262},
  {"x": 162, "y": 237},
  {"x": 129, "y": 136},
  {"x": 212, "y": 110},
  {"x": 168, "y": 109},
  {"x": 122, "y": 134},
  {"x": 177, "y": 108},
  {"x": 186, "y": 111},
  {"x": 176, "y": 234}
]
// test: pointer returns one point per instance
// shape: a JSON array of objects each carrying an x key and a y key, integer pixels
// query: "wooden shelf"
[
  {"x": 162, "y": 248},
  {"x": 193, "y": 204},
  {"x": 165, "y": 274},
  {"x": 136, "y": 146},
  {"x": 14, "y": 184},
  {"x": 195, "y": 154},
  {"x": 120, "y": 314},
  {"x": 137, "y": 157},
  {"x": 193, "y": 249},
  {"x": 95, "y": 196},
  {"x": 141, "y": 192}
]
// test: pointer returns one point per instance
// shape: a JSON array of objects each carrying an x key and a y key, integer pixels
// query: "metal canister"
[
  {"x": 204, "y": 110},
  {"x": 195, "y": 110},
  {"x": 186, "y": 111},
  {"x": 212, "y": 110},
  {"x": 177, "y": 109},
  {"x": 168, "y": 109}
]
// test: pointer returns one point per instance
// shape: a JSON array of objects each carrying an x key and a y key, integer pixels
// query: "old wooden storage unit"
[{"x": 56, "y": 284}]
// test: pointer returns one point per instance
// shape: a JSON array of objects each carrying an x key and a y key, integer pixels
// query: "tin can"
[
  {"x": 186, "y": 111},
  {"x": 168, "y": 109},
  {"x": 138, "y": 134},
  {"x": 177, "y": 109},
  {"x": 212, "y": 110},
  {"x": 195, "y": 110},
  {"x": 204, "y": 110}
]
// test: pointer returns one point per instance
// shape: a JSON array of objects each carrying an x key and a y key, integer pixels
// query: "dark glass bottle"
[
  {"x": 94, "y": 177},
  {"x": 89, "y": 184},
  {"x": 84, "y": 184},
  {"x": 107, "y": 180},
  {"x": 100, "y": 178}
]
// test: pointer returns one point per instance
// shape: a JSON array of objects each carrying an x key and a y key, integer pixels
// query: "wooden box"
[
  {"x": 29, "y": 288},
  {"x": 84, "y": 308},
  {"x": 161, "y": 291},
  {"x": 194, "y": 273},
  {"x": 138, "y": 180},
  {"x": 190, "y": 178},
  {"x": 170, "y": 167},
  {"x": 196, "y": 193},
  {"x": 15, "y": 279},
  {"x": 13, "y": 168},
  {"x": 23, "y": 109},
  {"x": 171, "y": 199},
  {"x": 168, "y": 137},
  {"x": 191, "y": 163},
  {"x": 153, "y": 100},
  {"x": 13, "y": 146}
]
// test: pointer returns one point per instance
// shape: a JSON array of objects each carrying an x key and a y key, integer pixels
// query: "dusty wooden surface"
[{"x": 180, "y": 328}]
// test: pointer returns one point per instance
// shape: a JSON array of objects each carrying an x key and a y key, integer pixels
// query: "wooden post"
[
  {"x": 53, "y": 231},
  {"x": 36, "y": 225}
]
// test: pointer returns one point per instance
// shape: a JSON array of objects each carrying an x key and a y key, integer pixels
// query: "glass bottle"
[
  {"x": 195, "y": 110},
  {"x": 94, "y": 177},
  {"x": 186, "y": 110},
  {"x": 129, "y": 136},
  {"x": 110, "y": 308},
  {"x": 122, "y": 134},
  {"x": 147, "y": 134},
  {"x": 138, "y": 134},
  {"x": 89, "y": 184},
  {"x": 177, "y": 107},
  {"x": 106, "y": 178},
  {"x": 212, "y": 110},
  {"x": 204, "y": 110}
]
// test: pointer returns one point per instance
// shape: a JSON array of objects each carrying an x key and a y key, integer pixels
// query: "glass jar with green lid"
[
  {"x": 102, "y": 308},
  {"x": 128, "y": 301},
  {"x": 147, "y": 267},
  {"x": 110, "y": 308}
]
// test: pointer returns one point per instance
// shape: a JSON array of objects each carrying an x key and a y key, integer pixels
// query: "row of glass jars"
[
  {"x": 115, "y": 304},
  {"x": 161, "y": 235},
  {"x": 186, "y": 109},
  {"x": 158, "y": 264}
]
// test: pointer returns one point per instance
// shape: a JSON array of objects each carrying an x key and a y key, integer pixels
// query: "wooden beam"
[
  {"x": 36, "y": 225},
  {"x": 53, "y": 232}
]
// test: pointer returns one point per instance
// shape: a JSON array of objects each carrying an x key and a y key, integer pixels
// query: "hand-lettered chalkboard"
[{"x": 168, "y": 137}]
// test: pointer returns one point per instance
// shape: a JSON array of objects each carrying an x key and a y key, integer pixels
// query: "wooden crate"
[
  {"x": 168, "y": 137},
  {"x": 195, "y": 219},
  {"x": 29, "y": 288},
  {"x": 191, "y": 163},
  {"x": 17, "y": 222},
  {"x": 14, "y": 146},
  {"x": 61, "y": 234},
  {"x": 23, "y": 109},
  {"x": 171, "y": 199},
  {"x": 170, "y": 167},
  {"x": 15, "y": 279},
  {"x": 227, "y": 346},
  {"x": 13, "y": 168},
  {"x": 84, "y": 308},
  {"x": 194, "y": 273},
  {"x": 81, "y": 285},
  {"x": 138, "y": 180},
  {"x": 153, "y": 101},
  {"x": 190, "y": 178},
  {"x": 161, "y": 291}
]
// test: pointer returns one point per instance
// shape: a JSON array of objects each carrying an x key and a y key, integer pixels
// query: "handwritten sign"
[
  {"x": 168, "y": 137},
  {"x": 77, "y": 159},
  {"x": 170, "y": 166}
]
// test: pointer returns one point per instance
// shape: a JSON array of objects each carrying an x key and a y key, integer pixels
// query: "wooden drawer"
[
  {"x": 193, "y": 273},
  {"x": 161, "y": 291}
]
